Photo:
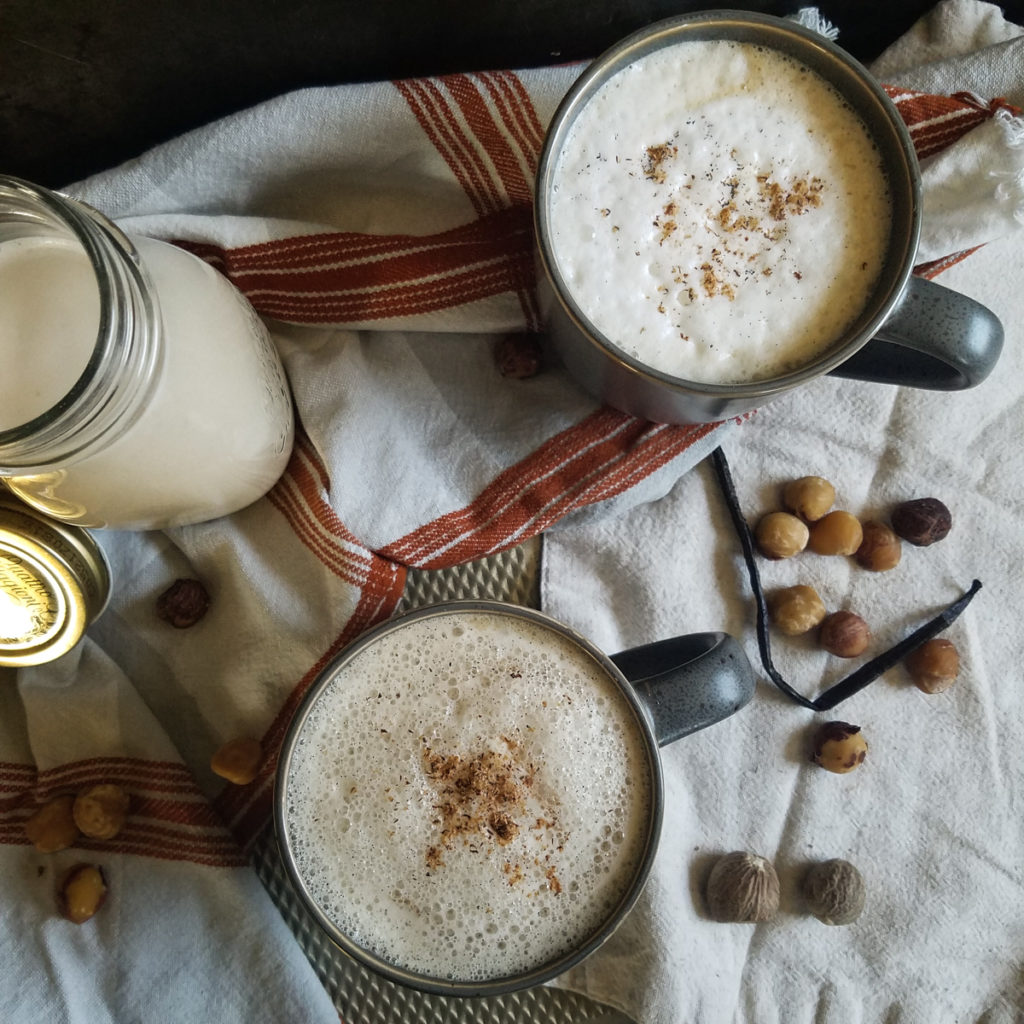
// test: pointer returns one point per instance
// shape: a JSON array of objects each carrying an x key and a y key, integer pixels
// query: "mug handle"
[
  {"x": 688, "y": 682},
  {"x": 934, "y": 338}
]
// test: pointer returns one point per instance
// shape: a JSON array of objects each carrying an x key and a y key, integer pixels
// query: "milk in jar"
[{"x": 139, "y": 389}]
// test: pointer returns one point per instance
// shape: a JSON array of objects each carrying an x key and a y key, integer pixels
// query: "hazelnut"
[
  {"x": 183, "y": 603},
  {"x": 838, "y": 533},
  {"x": 934, "y": 665},
  {"x": 880, "y": 548},
  {"x": 100, "y": 812},
  {"x": 238, "y": 760},
  {"x": 52, "y": 828},
  {"x": 810, "y": 497},
  {"x": 834, "y": 891},
  {"x": 82, "y": 892},
  {"x": 518, "y": 356},
  {"x": 844, "y": 634},
  {"x": 780, "y": 535},
  {"x": 839, "y": 747},
  {"x": 922, "y": 521},
  {"x": 795, "y": 610},
  {"x": 743, "y": 888}
]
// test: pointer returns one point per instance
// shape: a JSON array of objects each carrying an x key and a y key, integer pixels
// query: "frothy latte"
[
  {"x": 470, "y": 797},
  {"x": 719, "y": 212}
]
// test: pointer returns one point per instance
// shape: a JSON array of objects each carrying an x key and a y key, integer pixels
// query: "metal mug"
[
  {"x": 911, "y": 331},
  {"x": 669, "y": 688}
]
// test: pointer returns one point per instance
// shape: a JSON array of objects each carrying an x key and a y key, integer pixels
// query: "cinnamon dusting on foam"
[{"x": 481, "y": 803}]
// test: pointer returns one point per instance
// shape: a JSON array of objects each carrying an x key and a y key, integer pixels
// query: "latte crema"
[
  {"x": 470, "y": 797},
  {"x": 719, "y": 212}
]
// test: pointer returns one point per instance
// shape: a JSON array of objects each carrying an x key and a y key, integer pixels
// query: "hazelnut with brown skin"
[
  {"x": 518, "y": 356},
  {"x": 844, "y": 634},
  {"x": 52, "y": 828},
  {"x": 82, "y": 892},
  {"x": 880, "y": 548},
  {"x": 934, "y": 665},
  {"x": 100, "y": 811},
  {"x": 780, "y": 535},
  {"x": 839, "y": 747},
  {"x": 743, "y": 888},
  {"x": 834, "y": 891},
  {"x": 183, "y": 603},
  {"x": 922, "y": 521}
]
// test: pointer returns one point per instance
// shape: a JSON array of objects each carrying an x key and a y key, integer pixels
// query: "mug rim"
[
  {"x": 902, "y": 176},
  {"x": 505, "y": 983}
]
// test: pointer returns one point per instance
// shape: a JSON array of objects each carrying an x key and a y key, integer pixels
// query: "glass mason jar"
[{"x": 138, "y": 387}]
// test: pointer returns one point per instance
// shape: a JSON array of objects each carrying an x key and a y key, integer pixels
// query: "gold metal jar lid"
[{"x": 54, "y": 581}]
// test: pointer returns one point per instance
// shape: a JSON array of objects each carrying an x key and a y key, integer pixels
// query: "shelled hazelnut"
[
  {"x": 100, "y": 811},
  {"x": 809, "y": 497},
  {"x": 795, "y": 610},
  {"x": 238, "y": 760},
  {"x": 780, "y": 535},
  {"x": 82, "y": 892},
  {"x": 743, "y": 888},
  {"x": 837, "y": 533},
  {"x": 934, "y": 665},
  {"x": 844, "y": 634},
  {"x": 922, "y": 521},
  {"x": 52, "y": 828},
  {"x": 838, "y": 747},
  {"x": 880, "y": 548}
]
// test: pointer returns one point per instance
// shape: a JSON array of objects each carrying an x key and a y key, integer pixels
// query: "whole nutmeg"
[
  {"x": 844, "y": 634},
  {"x": 880, "y": 548},
  {"x": 838, "y": 533},
  {"x": 809, "y": 497},
  {"x": 780, "y": 535},
  {"x": 183, "y": 603},
  {"x": 838, "y": 747},
  {"x": 82, "y": 892},
  {"x": 743, "y": 888},
  {"x": 100, "y": 811},
  {"x": 934, "y": 665},
  {"x": 834, "y": 891},
  {"x": 922, "y": 521},
  {"x": 518, "y": 356},
  {"x": 795, "y": 610}
]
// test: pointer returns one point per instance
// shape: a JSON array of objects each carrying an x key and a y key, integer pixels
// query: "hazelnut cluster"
[
  {"x": 98, "y": 812},
  {"x": 809, "y": 522},
  {"x": 743, "y": 888}
]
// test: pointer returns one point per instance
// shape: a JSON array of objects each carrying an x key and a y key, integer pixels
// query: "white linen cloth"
[
  {"x": 390, "y": 223},
  {"x": 932, "y": 819}
]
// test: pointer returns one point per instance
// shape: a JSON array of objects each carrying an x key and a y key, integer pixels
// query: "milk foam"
[
  {"x": 369, "y": 815},
  {"x": 719, "y": 212}
]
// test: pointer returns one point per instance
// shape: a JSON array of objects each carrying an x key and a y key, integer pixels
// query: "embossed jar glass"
[{"x": 141, "y": 390}]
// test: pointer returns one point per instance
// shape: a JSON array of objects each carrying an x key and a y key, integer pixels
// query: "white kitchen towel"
[{"x": 932, "y": 819}]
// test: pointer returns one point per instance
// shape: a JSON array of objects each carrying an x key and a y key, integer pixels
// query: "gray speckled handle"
[
  {"x": 934, "y": 338},
  {"x": 688, "y": 682}
]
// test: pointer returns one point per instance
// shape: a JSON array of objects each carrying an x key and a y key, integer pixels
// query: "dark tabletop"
[{"x": 86, "y": 84}]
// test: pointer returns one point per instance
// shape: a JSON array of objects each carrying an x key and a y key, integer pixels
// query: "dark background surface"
[{"x": 86, "y": 84}]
